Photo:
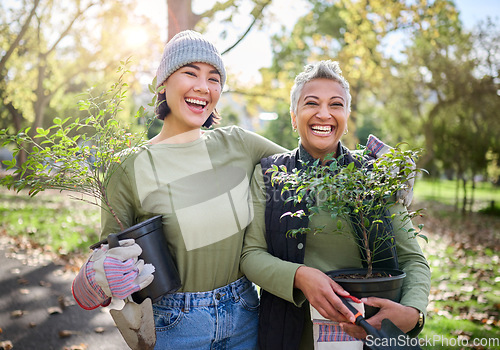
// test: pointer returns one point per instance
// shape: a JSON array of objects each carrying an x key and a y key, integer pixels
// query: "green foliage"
[
  {"x": 66, "y": 48},
  {"x": 437, "y": 87},
  {"x": 228, "y": 117},
  {"x": 280, "y": 130},
  {"x": 77, "y": 155},
  {"x": 360, "y": 195}
]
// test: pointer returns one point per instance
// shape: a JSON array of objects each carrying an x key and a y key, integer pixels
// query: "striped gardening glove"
[
  {"x": 115, "y": 272},
  {"x": 378, "y": 148}
]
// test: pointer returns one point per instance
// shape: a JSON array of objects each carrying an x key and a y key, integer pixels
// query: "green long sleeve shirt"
[{"x": 201, "y": 189}]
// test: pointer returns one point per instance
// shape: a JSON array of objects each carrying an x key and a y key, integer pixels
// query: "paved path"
[{"x": 37, "y": 310}]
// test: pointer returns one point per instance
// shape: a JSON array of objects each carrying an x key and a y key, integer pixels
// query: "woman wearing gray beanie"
[{"x": 199, "y": 181}]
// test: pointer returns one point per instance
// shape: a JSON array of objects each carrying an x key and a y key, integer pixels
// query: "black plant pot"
[
  {"x": 382, "y": 287},
  {"x": 149, "y": 236}
]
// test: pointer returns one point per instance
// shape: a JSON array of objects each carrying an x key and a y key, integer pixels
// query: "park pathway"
[{"x": 37, "y": 310}]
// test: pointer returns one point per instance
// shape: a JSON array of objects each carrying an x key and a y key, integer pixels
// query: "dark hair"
[{"x": 162, "y": 110}]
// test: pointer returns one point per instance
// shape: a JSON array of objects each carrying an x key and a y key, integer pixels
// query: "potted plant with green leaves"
[
  {"x": 362, "y": 197},
  {"x": 79, "y": 156}
]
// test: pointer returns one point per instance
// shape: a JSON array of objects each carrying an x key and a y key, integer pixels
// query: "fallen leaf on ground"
[
  {"x": 6, "y": 345},
  {"x": 23, "y": 281},
  {"x": 76, "y": 347},
  {"x": 99, "y": 329},
  {"x": 45, "y": 284},
  {"x": 17, "y": 313},
  {"x": 65, "y": 302},
  {"x": 54, "y": 310},
  {"x": 66, "y": 333}
]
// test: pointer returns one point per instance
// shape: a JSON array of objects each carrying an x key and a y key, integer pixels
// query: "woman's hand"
[
  {"x": 321, "y": 292},
  {"x": 404, "y": 317}
]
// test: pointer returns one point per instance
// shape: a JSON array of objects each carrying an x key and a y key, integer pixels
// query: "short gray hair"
[{"x": 322, "y": 69}]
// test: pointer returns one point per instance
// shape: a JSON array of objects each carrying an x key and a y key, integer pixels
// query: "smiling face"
[
  {"x": 192, "y": 93},
  {"x": 321, "y": 116}
]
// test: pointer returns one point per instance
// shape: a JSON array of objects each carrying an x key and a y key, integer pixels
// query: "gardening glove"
[
  {"x": 377, "y": 149},
  {"x": 115, "y": 272}
]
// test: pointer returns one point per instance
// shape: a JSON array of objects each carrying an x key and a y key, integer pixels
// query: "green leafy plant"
[
  {"x": 77, "y": 155},
  {"x": 360, "y": 195}
]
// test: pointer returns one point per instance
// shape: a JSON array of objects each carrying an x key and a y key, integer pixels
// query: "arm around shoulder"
[{"x": 260, "y": 146}]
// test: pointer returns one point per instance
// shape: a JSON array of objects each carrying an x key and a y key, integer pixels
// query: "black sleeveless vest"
[{"x": 281, "y": 322}]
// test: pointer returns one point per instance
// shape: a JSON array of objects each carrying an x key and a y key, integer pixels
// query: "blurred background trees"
[{"x": 416, "y": 74}]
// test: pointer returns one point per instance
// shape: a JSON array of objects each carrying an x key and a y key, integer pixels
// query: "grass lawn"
[
  {"x": 464, "y": 301},
  {"x": 50, "y": 219},
  {"x": 446, "y": 192},
  {"x": 463, "y": 252}
]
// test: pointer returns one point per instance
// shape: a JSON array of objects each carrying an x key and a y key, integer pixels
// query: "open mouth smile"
[
  {"x": 322, "y": 130},
  {"x": 196, "y": 104}
]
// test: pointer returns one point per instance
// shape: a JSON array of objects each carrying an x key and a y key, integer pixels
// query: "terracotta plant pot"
[
  {"x": 383, "y": 287},
  {"x": 149, "y": 236}
]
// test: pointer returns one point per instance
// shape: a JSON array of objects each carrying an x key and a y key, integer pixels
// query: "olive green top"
[{"x": 202, "y": 190}]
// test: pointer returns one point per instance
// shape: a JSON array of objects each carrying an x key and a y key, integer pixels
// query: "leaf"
[
  {"x": 10, "y": 163},
  {"x": 297, "y": 214},
  {"x": 77, "y": 347},
  {"x": 66, "y": 333},
  {"x": 366, "y": 222},
  {"x": 424, "y": 237},
  {"x": 17, "y": 313},
  {"x": 54, "y": 310},
  {"x": 41, "y": 132},
  {"x": 6, "y": 345}
]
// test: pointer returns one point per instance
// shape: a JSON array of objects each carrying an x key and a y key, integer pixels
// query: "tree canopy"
[{"x": 416, "y": 75}]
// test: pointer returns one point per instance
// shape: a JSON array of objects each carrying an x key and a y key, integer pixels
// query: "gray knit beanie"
[{"x": 187, "y": 47}]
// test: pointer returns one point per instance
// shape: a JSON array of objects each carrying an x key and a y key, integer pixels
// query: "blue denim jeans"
[{"x": 225, "y": 318}]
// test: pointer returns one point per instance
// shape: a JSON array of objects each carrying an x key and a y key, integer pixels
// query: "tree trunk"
[
  {"x": 17, "y": 119},
  {"x": 471, "y": 201},
  {"x": 180, "y": 16},
  {"x": 464, "y": 202},
  {"x": 428, "y": 130},
  {"x": 42, "y": 99}
]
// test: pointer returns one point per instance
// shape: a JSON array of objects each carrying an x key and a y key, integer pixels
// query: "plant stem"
[
  {"x": 108, "y": 205},
  {"x": 366, "y": 242},
  {"x": 122, "y": 228}
]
